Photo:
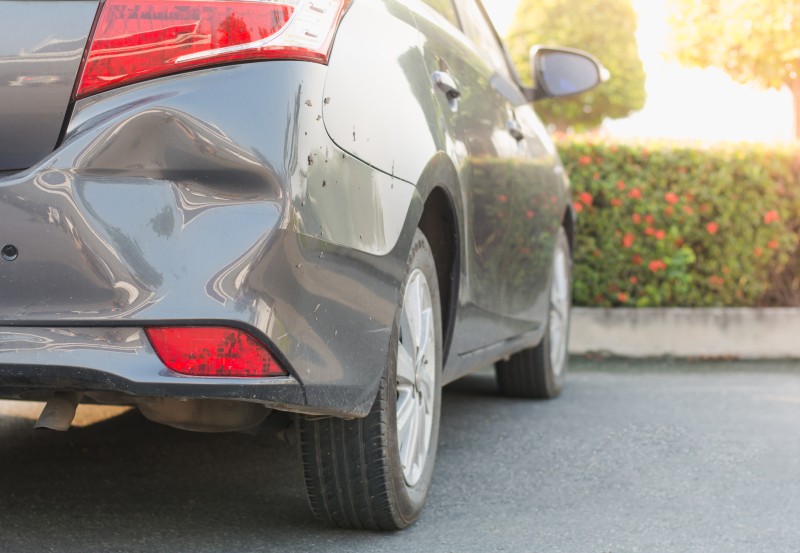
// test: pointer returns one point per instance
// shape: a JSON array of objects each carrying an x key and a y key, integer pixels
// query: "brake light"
[
  {"x": 134, "y": 40},
  {"x": 213, "y": 351}
]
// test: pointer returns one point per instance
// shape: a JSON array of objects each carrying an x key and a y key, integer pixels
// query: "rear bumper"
[
  {"x": 118, "y": 360},
  {"x": 214, "y": 197}
]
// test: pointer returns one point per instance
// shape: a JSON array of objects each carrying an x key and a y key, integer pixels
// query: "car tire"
[
  {"x": 539, "y": 372},
  {"x": 374, "y": 473}
]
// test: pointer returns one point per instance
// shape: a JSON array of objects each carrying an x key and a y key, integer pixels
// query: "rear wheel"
[
  {"x": 539, "y": 372},
  {"x": 375, "y": 472}
]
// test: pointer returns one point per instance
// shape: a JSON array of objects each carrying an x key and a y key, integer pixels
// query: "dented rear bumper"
[{"x": 214, "y": 197}]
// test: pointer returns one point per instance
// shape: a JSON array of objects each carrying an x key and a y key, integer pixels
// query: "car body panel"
[
  {"x": 513, "y": 195},
  {"x": 41, "y": 44},
  {"x": 165, "y": 205}
]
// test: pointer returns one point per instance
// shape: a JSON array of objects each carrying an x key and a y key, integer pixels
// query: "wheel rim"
[
  {"x": 559, "y": 311},
  {"x": 416, "y": 377}
]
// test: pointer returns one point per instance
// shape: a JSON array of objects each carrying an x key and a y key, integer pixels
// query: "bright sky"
[{"x": 684, "y": 103}]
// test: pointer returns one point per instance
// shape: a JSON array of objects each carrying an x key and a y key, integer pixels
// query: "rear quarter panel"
[{"x": 379, "y": 103}]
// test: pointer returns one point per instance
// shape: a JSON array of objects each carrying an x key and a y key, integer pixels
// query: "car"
[{"x": 222, "y": 211}]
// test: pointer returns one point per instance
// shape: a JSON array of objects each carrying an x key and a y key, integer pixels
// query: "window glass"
[
  {"x": 446, "y": 8},
  {"x": 480, "y": 31}
]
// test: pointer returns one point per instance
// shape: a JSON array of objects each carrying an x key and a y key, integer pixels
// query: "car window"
[
  {"x": 482, "y": 34},
  {"x": 445, "y": 8}
]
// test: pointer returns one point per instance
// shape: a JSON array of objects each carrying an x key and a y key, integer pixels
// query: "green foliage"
[
  {"x": 750, "y": 41},
  {"x": 604, "y": 28},
  {"x": 679, "y": 226}
]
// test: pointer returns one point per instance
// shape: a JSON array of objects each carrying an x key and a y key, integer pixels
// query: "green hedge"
[{"x": 666, "y": 226}]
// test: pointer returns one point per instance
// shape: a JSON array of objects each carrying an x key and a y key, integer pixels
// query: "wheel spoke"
[
  {"x": 422, "y": 439},
  {"x": 411, "y": 310},
  {"x": 405, "y": 415},
  {"x": 405, "y": 366},
  {"x": 426, "y": 320},
  {"x": 408, "y": 452},
  {"x": 426, "y": 388}
]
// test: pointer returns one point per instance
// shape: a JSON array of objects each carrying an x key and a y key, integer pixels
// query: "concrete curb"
[{"x": 745, "y": 333}]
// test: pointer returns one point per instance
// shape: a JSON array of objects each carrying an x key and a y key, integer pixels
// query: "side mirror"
[{"x": 559, "y": 72}]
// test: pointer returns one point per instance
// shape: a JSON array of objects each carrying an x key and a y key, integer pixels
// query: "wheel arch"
[{"x": 440, "y": 222}]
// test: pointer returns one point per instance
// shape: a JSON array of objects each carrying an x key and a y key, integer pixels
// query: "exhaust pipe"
[{"x": 59, "y": 411}]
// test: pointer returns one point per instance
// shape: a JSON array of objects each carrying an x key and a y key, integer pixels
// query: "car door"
[{"x": 494, "y": 142}]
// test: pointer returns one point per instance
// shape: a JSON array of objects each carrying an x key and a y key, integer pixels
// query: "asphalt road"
[{"x": 649, "y": 457}]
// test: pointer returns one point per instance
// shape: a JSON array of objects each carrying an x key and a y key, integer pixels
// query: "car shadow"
[{"x": 126, "y": 483}]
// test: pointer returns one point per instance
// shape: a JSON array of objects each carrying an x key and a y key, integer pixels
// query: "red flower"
[
  {"x": 627, "y": 240},
  {"x": 712, "y": 228},
  {"x": 660, "y": 234},
  {"x": 636, "y": 218},
  {"x": 669, "y": 210},
  {"x": 772, "y": 244},
  {"x": 620, "y": 185},
  {"x": 529, "y": 214},
  {"x": 635, "y": 194},
  {"x": 649, "y": 219},
  {"x": 616, "y": 202},
  {"x": 656, "y": 265},
  {"x": 585, "y": 198},
  {"x": 671, "y": 198},
  {"x": 578, "y": 207},
  {"x": 649, "y": 231},
  {"x": 502, "y": 198},
  {"x": 771, "y": 216},
  {"x": 585, "y": 160},
  {"x": 757, "y": 251},
  {"x": 622, "y": 297},
  {"x": 636, "y": 259},
  {"x": 688, "y": 210},
  {"x": 634, "y": 280},
  {"x": 716, "y": 280}
]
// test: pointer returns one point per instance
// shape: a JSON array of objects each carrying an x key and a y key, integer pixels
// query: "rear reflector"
[
  {"x": 134, "y": 40},
  {"x": 213, "y": 351}
]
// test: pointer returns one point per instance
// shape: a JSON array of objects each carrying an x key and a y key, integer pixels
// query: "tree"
[
  {"x": 753, "y": 42},
  {"x": 603, "y": 27}
]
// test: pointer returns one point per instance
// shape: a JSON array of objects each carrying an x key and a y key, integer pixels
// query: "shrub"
[{"x": 680, "y": 226}]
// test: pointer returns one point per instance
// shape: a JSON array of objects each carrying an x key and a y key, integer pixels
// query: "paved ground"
[{"x": 633, "y": 457}]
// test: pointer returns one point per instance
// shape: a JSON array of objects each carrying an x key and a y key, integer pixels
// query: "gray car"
[{"x": 223, "y": 211}]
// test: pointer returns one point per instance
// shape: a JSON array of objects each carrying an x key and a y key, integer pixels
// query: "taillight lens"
[
  {"x": 134, "y": 40},
  {"x": 213, "y": 351}
]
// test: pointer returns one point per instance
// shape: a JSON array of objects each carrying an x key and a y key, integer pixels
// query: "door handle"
[
  {"x": 515, "y": 130},
  {"x": 446, "y": 84}
]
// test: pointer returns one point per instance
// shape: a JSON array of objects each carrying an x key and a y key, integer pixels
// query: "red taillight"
[
  {"x": 134, "y": 40},
  {"x": 213, "y": 351}
]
